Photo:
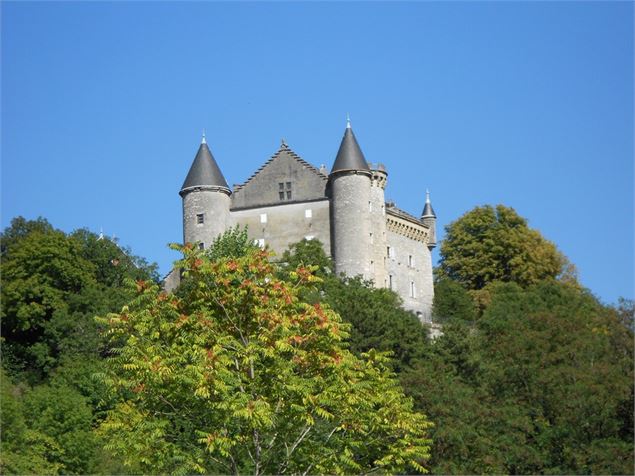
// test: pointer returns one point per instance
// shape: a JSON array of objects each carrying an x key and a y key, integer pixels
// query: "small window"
[
  {"x": 200, "y": 218},
  {"x": 411, "y": 261},
  {"x": 281, "y": 195},
  {"x": 413, "y": 290},
  {"x": 309, "y": 237},
  {"x": 280, "y": 185},
  {"x": 390, "y": 281},
  {"x": 288, "y": 194},
  {"x": 263, "y": 218},
  {"x": 372, "y": 239},
  {"x": 260, "y": 242},
  {"x": 390, "y": 252},
  {"x": 201, "y": 246},
  {"x": 308, "y": 213},
  {"x": 288, "y": 185},
  {"x": 370, "y": 206}
]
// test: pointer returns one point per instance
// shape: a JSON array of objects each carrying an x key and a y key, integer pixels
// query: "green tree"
[
  {"x": 240, "y": 375},
  {"x": 378, "y": 320},
  {"x": 452, "y": 301},
  {"x": 495, "y": 244}
]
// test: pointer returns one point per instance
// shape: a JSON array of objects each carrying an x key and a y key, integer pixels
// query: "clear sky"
[{"x": 525, "y": 104}]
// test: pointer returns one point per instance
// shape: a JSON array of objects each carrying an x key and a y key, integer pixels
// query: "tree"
[
  {"x": 240, "y": 375},
  {"x": 377, "y": 318},
  {"x": 452, "y": 301},
  {"x": 541, "y": 383},
  {"x": 495, "y": 244},
  {"x": 52, "y": 286}
]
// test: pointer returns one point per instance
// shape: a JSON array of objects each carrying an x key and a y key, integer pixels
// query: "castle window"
[
  {"x": 281, "y": 195},
  {"x": 390, "y": 281},
  {"x": 390, "y": 251},
  {"x": 263, "y": 218},
  {"x": 413, "y": 290},
  {"x": 260, "y": 242},
  {"x": 201, "y": 246},
  {"x": 200, "y": 218},
  {"x": 372, "y": 240},
  {"x": 308, "y": 213},
  {"x": 411, "y": 261},
  {"x": 370, "y": 206},
  {"x": 288, "y": 194},
  {"x": 288, "y": 185},
  {"x": 280, "y": 185},
  {"x": 309, "y": 237}
]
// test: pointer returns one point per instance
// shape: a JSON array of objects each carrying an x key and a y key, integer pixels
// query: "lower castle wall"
[
  {"x": 403, "y": 274},
  {"x": 286, "y": 224}
]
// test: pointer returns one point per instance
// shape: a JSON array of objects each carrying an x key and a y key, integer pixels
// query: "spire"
[
  {"x": 428, "y": 211},
  {"x": 204, "y": 171},
  {"x": 349, "y": 155}
]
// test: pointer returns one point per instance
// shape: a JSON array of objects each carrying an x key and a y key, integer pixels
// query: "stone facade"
[{"x": 287, "y": 200}]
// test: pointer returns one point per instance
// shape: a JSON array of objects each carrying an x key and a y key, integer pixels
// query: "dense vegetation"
[{"x": 258, "y": 368}]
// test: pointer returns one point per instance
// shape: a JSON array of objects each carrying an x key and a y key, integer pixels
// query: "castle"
[{"x": 287, "y": 200}]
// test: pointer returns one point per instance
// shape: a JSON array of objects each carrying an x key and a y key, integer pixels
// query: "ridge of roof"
[{"x": 398, "y": 212}]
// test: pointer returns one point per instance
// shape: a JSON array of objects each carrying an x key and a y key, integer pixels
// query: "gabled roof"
[
  {"x": 349, "y": 155},
  {"x": 285, "y": 167},
  {"x": 204, "y": 171}
]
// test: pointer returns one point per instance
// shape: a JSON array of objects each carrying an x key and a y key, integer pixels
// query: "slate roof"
[
  {"x": 204, "y": 171},
  {"x": 428, "y": 211},
  {"x": 349, "y": 155}
]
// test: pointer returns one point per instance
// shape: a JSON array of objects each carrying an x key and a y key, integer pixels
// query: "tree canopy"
[
  {"x": 241, "y": 375},
  {"x": 490, "y": 244}
]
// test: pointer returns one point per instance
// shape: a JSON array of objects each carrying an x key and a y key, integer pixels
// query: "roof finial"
[
  {"x": 203, "y": 140},
  {"x": 283, "y": 143},
  {"x": 427, "y": 196},
  {"x": 348, "y": 121}
]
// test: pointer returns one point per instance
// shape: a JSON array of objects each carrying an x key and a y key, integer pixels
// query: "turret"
[
  {"x": 206, "y": 199},
  {"x": 379, "y": 240},
  {"x": 429, "y": 219},
  {"x": 350, "y": 193}
]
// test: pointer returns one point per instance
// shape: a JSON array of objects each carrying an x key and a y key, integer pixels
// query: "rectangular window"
[
  {"x": 281, "y": 195},
  {"x": 288, "y": 185},
  {"x": 288, "y": 194},
  {"x": 260, "y": 242},
  {"x": 413, "y": 291},
  {"x": 390, "y": 281},
  {"x": 309, "y": 237},
  {"x": 372, "y": 239},
  {"x": 201, "y": 246},
  {"x": 370, "y": 207},
  {"x": 263, "y": 218},
  {"x": 411, "y": 261},
  {"x": 308, "y": 213},
  {"x": 200, "y": 218},
  {"x": 280, "y": 185},
  {"x": 391, "y": 252}
]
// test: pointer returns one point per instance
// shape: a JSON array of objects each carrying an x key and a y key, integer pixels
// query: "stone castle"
[{"x": 287, "y": 200}]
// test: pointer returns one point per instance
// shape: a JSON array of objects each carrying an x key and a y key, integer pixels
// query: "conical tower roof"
[
  {"x": 428, "y": 211},
  {"x": 204, "y": 171},
  {"x": 349, "y": 156}
]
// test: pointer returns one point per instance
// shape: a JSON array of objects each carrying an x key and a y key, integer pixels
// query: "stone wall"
[
  {"x": 213, "y": 205},
  {"x": 282, "y": 225}
]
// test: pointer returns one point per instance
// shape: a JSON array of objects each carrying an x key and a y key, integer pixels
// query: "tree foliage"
[
  {"x": 490, "y": 244},
  {"x": 541, "y": 383},
  {"x": 241, "y": 375}
]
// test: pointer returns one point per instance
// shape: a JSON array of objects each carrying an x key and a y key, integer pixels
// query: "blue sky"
[{"x": 525, "y": 104}]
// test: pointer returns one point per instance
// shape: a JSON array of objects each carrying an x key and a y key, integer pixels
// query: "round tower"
[
  {"x": 206, "y": 200},
  {"x": 429, "y": 219},
  {"x": 350, "y": 193}
]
